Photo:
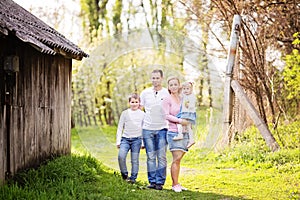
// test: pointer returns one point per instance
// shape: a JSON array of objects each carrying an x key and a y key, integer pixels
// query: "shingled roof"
[{"x": 17, "y": 21}]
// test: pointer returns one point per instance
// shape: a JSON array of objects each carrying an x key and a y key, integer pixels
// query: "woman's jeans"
[
  {"x": 134, "y": 145},
  {"x": 155, "y": 142}
]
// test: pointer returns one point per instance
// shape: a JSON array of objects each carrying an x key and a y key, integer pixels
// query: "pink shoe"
[
  {"x": 177, "y": 188},
  {"x": 183, "y": 188}
]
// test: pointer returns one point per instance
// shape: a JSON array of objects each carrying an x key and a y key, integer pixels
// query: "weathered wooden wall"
[
  {"x": 3, "y": 159},
  {"x": 35, "y": 117}
]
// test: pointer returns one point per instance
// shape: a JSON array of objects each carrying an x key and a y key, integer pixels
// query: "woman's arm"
[{"x": 167, "y": 104}]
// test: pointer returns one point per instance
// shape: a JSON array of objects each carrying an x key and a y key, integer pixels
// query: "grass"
[{"x": 91, "y": 172}]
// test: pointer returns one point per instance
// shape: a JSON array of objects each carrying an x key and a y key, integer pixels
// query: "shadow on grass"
[
  {"x": 169, "y": 194},
  {"x": 83, "y": 177},
  {"x": 123, "y": 190},
  {"x": 101, "y": 145}
]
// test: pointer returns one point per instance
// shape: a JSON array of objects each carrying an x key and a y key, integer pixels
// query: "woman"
[{"x": 171, "y": 106}]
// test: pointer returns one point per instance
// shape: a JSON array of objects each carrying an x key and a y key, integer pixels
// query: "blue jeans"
[
  {"x": 155, "y": 142},
  {"x": 134, "y": 145}
]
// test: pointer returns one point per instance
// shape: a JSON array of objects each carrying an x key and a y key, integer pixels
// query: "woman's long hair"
[{"x": 174, "y": 78}]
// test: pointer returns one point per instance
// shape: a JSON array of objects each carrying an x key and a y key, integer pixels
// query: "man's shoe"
[
  {"x": 124, "y": 176},
  {"x": 159, "y": 187},
  {"x": 151, "y": 186},
  {"x": 128, "y": 180}
]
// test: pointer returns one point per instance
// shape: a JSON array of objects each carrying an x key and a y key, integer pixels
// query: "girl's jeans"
[{"x": 134, "y": 145}]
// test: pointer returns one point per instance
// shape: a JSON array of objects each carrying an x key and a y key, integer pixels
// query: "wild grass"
[{"x": 248, "y": 170}]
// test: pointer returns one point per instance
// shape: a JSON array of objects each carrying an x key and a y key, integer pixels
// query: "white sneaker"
[
  {"x": 183, "y": 188},
  {"x": 176, "y": 188}
]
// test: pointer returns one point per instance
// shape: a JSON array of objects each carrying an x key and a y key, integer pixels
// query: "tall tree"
[{"x": 265, "y": 29}]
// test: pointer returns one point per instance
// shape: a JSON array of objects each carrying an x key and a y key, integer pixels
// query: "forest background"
[{"x": 127, "y": 39}]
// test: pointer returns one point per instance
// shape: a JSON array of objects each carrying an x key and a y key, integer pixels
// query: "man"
[{"x": 155, "y": 130}]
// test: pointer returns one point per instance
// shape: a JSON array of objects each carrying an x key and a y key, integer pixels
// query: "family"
[{"x": 158, "y": 118}]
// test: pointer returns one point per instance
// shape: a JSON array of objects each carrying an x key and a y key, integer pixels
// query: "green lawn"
[
  {"x": 91, "y": 172},
  {"x": 201, "y": 173}
]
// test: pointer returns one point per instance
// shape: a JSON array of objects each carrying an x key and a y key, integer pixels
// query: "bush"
[
  {"x": 250, "y": 149},
  {"x": 288, "y": 135}
]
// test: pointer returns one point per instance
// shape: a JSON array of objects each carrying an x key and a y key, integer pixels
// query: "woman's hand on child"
[{"x": 184, "y": 122}]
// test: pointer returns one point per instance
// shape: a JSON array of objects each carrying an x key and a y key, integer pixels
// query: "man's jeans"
[
  {"x": 134, "y": 145},
  {"x": 155, "y": 142}
]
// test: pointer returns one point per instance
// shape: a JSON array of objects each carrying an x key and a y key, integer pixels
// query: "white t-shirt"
[
  {"x": 189, "y": 103},
  {"x": 130, "y": 124},
  {"x": 152, "y": 102}
]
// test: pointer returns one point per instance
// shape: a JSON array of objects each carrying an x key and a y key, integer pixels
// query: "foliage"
[
  {"x": 124, "y": 62},
  {"x": 93, "y": 14},
  {"x": 249, "y": 149},
  {"x": 117, "y": 10},
  {"x": 288, "y": 135},
  {"x": 265, "y": 31},
  {"x": 291, "y": 73}
]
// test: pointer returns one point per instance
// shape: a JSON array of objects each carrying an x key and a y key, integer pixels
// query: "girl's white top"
[
  {"x": 130, "y": 124},
  {"x": 188, "y": 103}
]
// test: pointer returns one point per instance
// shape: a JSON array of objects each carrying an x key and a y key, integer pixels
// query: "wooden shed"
[{"x": 35, "y": 90}]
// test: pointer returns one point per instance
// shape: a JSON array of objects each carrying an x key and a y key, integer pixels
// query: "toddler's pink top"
[{"x": 171, "y": 109}]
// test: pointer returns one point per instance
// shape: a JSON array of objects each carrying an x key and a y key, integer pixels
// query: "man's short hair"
[{"x": 158, "y": 71}]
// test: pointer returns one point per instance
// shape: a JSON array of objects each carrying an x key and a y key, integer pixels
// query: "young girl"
[
  {"x": 188, "y": 112},
  {"x": 129, "y": 137}
]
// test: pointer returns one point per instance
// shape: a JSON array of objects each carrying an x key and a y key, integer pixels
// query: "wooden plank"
[
  {"x": 48, "y": 107},
  {"x": 54, "y": 102},
  {"x": 18, "y": 105},
  {"x": 30, "y": 137},
  {"x": 16, "y": 141},
  {"x": 227, "y": 110},
  {"x": 227, "y": 102},
  {"x": 3, "y": 141},
  {"x": 253, "y": 114},
  {"x": 43, "y": 143},
  {"x": 35, "y": 105},
  {"x": 68, "y": 103},
  {"x": 60, "y": 105}
]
